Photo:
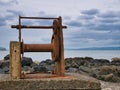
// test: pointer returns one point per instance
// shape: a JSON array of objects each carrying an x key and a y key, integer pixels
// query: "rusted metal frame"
[
  {"x": 37, "y": 48},
  {"x": 19, "y": 27},
  {"x": 35, "y": 27},
  {"x": 47, "y": 47},
  {"x": 61, "y": 41},
  {"x": 38, "y": 18},
  {"x": 55, "y": 41},
  {"x": 59, "y": 63}
]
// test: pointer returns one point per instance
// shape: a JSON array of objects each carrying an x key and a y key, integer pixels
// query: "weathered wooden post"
[{"x": 15, "y": 60}]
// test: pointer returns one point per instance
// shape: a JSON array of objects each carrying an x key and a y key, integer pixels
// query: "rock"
[
  {"x": 27, "y": 69},
  {"x": 94, "y": 72},
  {"x": 2, "y": 71},
  {"x": 35, "y": 68},
  {"x": 100, "y": 62},
  {"x": 6, "y": 70},
  {"x": 46, "y": 66},
  {"x": 104, "y": 70},
  {"x": 7, "y": 57},
  {"x": 43, "y": 69},
  {"x": 26, "y": 61},
  {"x": 47, "y": 62},
  {"x": 115, "y": 61},
  {"x": 88, "y": 58},
  {"x": 85, "y": 69},
  {"x": 74, "y": 62},
  {"x": 72, "y": 70},
  {"x": 109, "y": 77},
  {"x": 4, "y": 64}
]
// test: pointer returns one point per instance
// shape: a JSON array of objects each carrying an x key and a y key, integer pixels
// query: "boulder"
[
  {"x": 105, "y": 70},
  {"x": 85, "y": 69},
  {"x": 6, "y": 70},
  {"x": 35, "y": 68},
  {"x": 115, "y": 61},
  {"x": 47, "y": 62},
  {"x": 46, "y": 66},
  {"x": 4, "y": 64},
  {"x": 7, "y": 57},
  {"x": 2, "y": 71},
  {"x": 26, "y": 61},
  {"x": 43, "y": 69},
  {"x": 27, "y": 69},
  {"x": 72, "y": 70},
  {"x": 100, "y": 62},
  {"x": 109, "y": 78}
]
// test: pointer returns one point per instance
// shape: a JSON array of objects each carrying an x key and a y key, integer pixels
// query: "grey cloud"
[
  {"x": 10, "y": 17},
  {"x": 2, "y": 22},
  {"x": 8, "y": 2},
  {"x": 99, "y": 22},
  {"x": 90, "y": 12},
  {"x": 94, "y": 29},
  {"x": 43, "y": 13},
  {"x": 45, "y": 22},
  {"x": 110, "y": 14},
  {"x": 111, "y": 20},
  {"x": 15, "y": 13},
  {"x": 85, "y": 17},
  {"x": 74, "y": 23},
  {"x": 104, "y": 26},
  {"x": 66, "y": 18}
]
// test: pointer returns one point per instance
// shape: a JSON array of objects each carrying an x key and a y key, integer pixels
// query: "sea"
[{"x": 96, "y": 54}]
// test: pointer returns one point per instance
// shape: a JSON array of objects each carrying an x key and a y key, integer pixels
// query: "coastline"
[
  {"x": 98, "y": 54},
  {"x": 107, "y": 72}
]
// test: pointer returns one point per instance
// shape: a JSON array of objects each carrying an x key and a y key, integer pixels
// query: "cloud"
[
  {"x": 93, "y": 29},
  {"x": 74, "y": 23},
  {"x": 14, "y": 12},
  {"x": 90, "y": 23},
  {"x": 90, "y": 12},
  {"x": 110, "y": 14},
  {"x": 106, "y": 27},
  {"x": 8, "y": 2},
  {"x": 2, "y": 22}
]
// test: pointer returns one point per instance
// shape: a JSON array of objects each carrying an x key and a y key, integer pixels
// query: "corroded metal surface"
[
  {"x": 56, "y": 47},
  {"x": 37, "y": 48}
]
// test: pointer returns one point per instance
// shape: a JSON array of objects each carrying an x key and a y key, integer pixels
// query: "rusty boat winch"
[{"x": 56, "y": 47}]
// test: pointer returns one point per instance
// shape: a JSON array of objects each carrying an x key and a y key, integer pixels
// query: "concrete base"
[{"x": 44, "y": 81}]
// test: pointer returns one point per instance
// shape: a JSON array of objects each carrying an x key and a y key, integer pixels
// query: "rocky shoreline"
[{"x": 100, "y": 69}]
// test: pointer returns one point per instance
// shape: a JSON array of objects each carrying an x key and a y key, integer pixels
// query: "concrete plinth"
[{"x": 40, "y": 82}]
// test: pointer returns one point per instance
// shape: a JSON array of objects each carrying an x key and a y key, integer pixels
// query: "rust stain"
[{"x": 56, "y": 47}]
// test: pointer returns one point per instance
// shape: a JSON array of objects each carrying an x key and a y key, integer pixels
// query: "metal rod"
[
  {"x": 35, "y": 27},
  {"x": 37, "y": 47},
  {"x": 19, "y": 27},
  {"x": 37, "y": 18}
]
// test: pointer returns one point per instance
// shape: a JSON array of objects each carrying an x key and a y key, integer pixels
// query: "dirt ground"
[
  {"x": 110, "y": 86},
  {"x": 104, "y": 85}
]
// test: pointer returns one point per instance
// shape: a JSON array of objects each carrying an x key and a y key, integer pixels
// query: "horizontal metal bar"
[
  {"x": 37, "y": 48},
  {"x": 35, "y": 27},
  {"x": 37, "y": 18}
]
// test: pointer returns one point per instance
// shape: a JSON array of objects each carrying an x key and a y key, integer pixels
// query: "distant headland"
[
  {"x": 2, "y": 49},
  {"x": 97, "y": 48}
]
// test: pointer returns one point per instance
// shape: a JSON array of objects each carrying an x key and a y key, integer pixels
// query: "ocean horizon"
[{"x": 96, "y": 54}]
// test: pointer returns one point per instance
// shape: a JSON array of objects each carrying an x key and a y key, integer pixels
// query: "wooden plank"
[{"x": 15, "y": 60}]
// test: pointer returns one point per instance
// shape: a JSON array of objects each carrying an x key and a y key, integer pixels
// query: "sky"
[{"x": 91, "y": 23}]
